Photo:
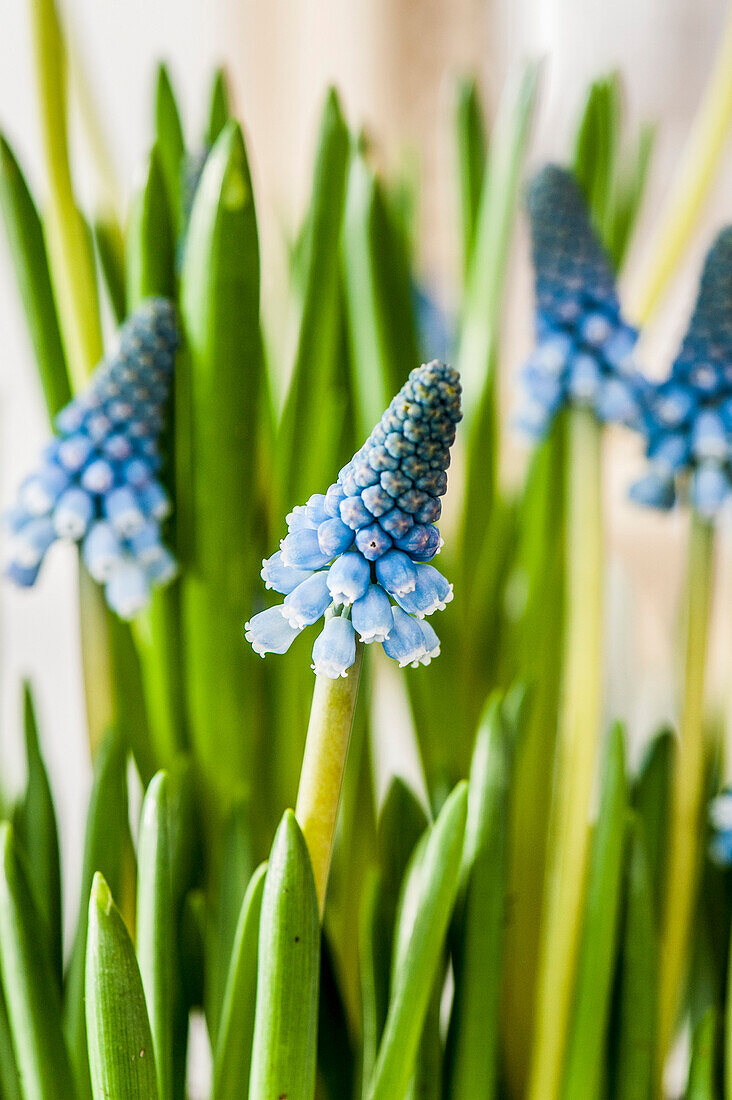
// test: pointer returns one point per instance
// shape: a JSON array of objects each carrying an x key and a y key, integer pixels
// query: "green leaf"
[
  {"x": 585, "y": 1056},
  {"x": 150, "y": 242},
  {"x": 216, "y": 450},
  {"x": 336, "y": 1069},
  {"x": 111, "y": 254},
  {"x": 472, "y": 148},
  {"x": 381, "y": 324},
  {"x": 652, "y": 800},
  {"x": 31, "y": 991},
  {"x": 156, "y": 925},
  {"x": 37, "y": 836},
  {"x": 120, "y": 1043},
  {"x": 702, "y": 1073},
  {"x": 425, "y": 913},
  {"x": 629, "y": 195},
  {"x": 107, "y": 849},
  {"x": 10, "y": 1088},
  {"x": 285, "y": 1029},
  {"x": 596, "y": 148},
  {"x": 233, "y": 1054},
  {"x": 219, "y": 111},
  {"x": 28, "y": 250},
  {"x": 305, "y": 454},
  {"x": 169, "y": 142},
  {"x": 472, "y": 1059},
  {"x": 635, "y": 1047}
]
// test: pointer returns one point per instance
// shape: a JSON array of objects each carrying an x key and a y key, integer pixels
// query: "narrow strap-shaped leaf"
[
  {"x": 418, "y": 952},
  {"x": 37, "y": 835},
  {"x": 374, "y": 993},
  {"x": 596, "y": 147},
  {"x": 233, "y": 1055},
  {"x": 31, "y": 991},
  {"x": 703, "y": 1070},
  {"x": 652, "y": 800},
  {"x": 381, "y": 325},
  {"x": 472, "y": 146},
  {"x": 156, "y": 926},
  {"x": 220, "y": 379},
  {"x": 286, "y": 1020},
  {"x": 584, "y": 1072},
  {"x": 426, "y": 1082},
  {"x": 629, "y": 195},
  {"x": 336, "y": 1068},
  {"x": 219, "y": 111},
  {"x": 111, "y": 254},
  {"x": 303, "y": 467},
  {"x": 169, "y": 141},
  {"x": 28, "y": 249},
  {"x": 472, "y": 1060},
  {"x": 9, "y": 1078},
  {"x": 105, "y": 846},
  {"x": 635, "y": 1045},
  {"x": 120, "y": 1043},
  {"x": 402, "y": 821},
  {"x": 150, "y": 245}
]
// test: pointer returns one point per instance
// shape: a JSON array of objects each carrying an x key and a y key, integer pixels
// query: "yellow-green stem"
[
  {"x": 682, "y": 867},
  {"x": 72, "y": 259},
  {"x": 580, "y": 721},
  {"x": 324, "y": 762},
  {"x": 692, "y": 182}
]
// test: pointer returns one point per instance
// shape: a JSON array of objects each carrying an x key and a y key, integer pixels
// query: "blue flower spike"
[
  {"x": 97, "y": 483},
  {"x": 688, "y": 420},
  {"x": 583, "y": 346},
  {"x": 720, "y": 820},
  {"x": 357, "y": 556}
]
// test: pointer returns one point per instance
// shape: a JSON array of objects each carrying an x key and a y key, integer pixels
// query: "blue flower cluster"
[
  {"x": 688, "y": 422},
  {"x": 358, "y": 555},
  {"x": 97, "y": 483},
  {"x": 720, "y": 819},
  {"x": 583, "y": 345}
]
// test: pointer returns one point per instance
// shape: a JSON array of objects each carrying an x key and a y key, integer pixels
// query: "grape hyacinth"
[
  {"x": 688, "y": 422},
  {"x": 358, "y": 554},
  {"x": 583, "y": 345},
  {"x": 97, "y": 484}
]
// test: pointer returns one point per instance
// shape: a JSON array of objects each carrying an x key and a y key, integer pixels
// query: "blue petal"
[
  {"x": 299, "y": 520},
  {"x": 334, "y": 536},
  {"x": 30, "y": 543},
  {"x": 308, "y": 602},
  {"x": 73, "y": 513},
  {"x": 98, "y": 477},
  {"x": 406, "y": 642},
  {"x": 348, "y": 578},
  {"x": 710, "y": 488},
  {"x": 127, "y": 590},
  {"x": 431, "y": 641},
  {"x": 654, "y": 491},
  {"x": 432, "y": 592},
  {"x": 371, "y": 615},
  {"x": 270, "y": 632},
  {"x": 373, "y": 541},
  {"x": 41, "y": 490},
  {"x": 300, "y": 550},
  {"x": 316, "y": 509},
  {"x": 334, "y": 650},
  {"x": 101, "y": 551},
  {"x": 354, "y": 512},
  {"x": 709, "y": 437},
  {"x": 396, "y": 572},
  {"x": 122, "y": 509},
  {"x": 280, "y": 577},
  {"x": 154, "y": 501}
]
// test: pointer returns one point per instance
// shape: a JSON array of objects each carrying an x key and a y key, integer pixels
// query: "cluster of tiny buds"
[{"x": 98, "y": 481}]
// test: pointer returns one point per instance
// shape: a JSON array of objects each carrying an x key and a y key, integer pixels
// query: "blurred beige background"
[{"x": 394, "y": 63}]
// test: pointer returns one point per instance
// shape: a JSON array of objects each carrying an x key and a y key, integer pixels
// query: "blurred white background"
[{"x": 393, "y": 61}]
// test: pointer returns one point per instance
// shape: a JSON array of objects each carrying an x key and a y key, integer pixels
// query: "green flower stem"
[
  {"x": 324, "y": 762},
  {"x": 580, "y": 720},
  {"x": 682, "y": 867},
  {"x": 694, "y": 178}
]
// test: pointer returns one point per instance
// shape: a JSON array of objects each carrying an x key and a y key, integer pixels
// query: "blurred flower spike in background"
[
  {"x": 583, "y": 345},
  {"x": 688, "y": 422},
  {"x": 366, "y": 542},
  {"x": 97, "y": 483}
]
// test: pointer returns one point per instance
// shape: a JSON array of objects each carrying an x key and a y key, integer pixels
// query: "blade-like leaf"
[
  {"x": 219, "y": 111},
  {"x": 471, "y": 1070},
  {"x": 584, "y": 1071},
  {"x": 703, "y": 1073},
  {"x": 472, "y": 147},
  {"x": 28, "y": 249},
  {"x": 233, "y": 1056},
  {"x": 652, "y": 800},
  {"x": 423, "y": 925},
  {"x": 9, "y": 1078},
  {"x": 111, "y": 255},
  {"x": 106, "y": 848},
  {"x": 120, "y": 1043},
  {"x": 29, "y": 984},
  {"x": 169, "y": 142},
  {"x": 37, "y": 835},
  {"x": 150, "y": 246},
  {"x": 286, "y": 1020}
]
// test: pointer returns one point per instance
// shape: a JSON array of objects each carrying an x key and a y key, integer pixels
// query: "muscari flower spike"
[
  {"x": 97, "y": 483},
  {"x": 688, "y": 422},
  {"x": 358, "y": 555},
  {"x": 583, "y": 345},
  {"x": 720, "y": 820}
]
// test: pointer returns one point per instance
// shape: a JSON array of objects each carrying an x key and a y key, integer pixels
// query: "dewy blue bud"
[
  {"x": 97, "y": 482},
  {"x": 686, "y": 417},
  {"x": 363, "y": 542},
  {"x": 582, "y": 342}
]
